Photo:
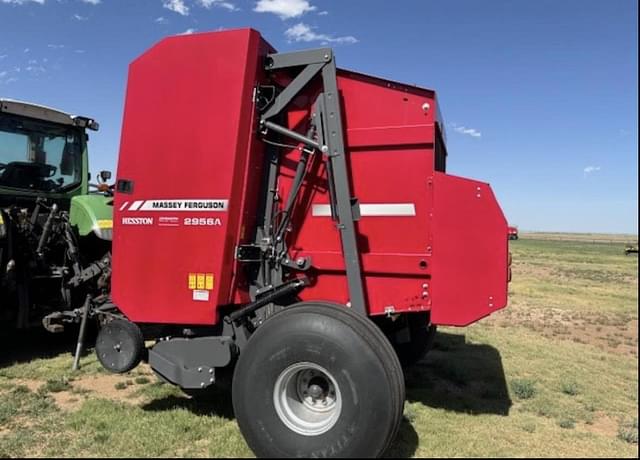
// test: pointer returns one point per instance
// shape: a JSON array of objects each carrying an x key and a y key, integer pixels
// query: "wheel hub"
[{"x": 307, "y": 399}]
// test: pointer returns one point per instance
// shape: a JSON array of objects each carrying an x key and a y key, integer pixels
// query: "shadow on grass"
[
  {"x": 211, "y": 402},
  {"x": 406, "y": 442},
  {"x": 460, "y": 377},
  {"x": 25, "y": 346}
]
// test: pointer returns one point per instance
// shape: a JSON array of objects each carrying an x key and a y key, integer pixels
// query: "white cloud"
[
  {"x": 161, "y": 20},
  {"x": 26, "y": 50},
  {"x": 2, "y": 56},
  {"x": 54, "y": 46},
  {"x": 219, "y": 4},
  {"x": 285, "y": 9},
  {"x": 79, "y": 51},
  {"x": 323, "y": 13},
  {"x": 187, "y": 32},
  {"x": 92, "y": 2},
  {"x": 468, "y": 131},
  {"x": 589, "y": 169},
  {"x": 77, "y": 17},
  {"x": 22, "y": 2},
  {"x": 304, "y": 33},
  {"x": 177, "y": 6}
]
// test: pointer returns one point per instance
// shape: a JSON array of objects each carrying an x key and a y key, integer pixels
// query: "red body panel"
[
  {"x": 427, "y": 241},
  {"x": 188, "y": 134}
]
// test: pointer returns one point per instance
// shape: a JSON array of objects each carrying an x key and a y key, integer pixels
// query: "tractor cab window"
[{"x": 39, "y": 156}]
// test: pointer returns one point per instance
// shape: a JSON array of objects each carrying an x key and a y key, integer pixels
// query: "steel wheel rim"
[{"x": 307, "y": 399}]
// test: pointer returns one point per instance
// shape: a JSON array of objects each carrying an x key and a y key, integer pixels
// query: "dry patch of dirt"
[
  {"x": 68, "y": 401},
  {"x": 114, "y": 387},
  {"x": 32, "y": 384},
  {"x": 602, "y": 425},
  {"x": 110, "y": 386},
  {"x": 611, "y": 333}
]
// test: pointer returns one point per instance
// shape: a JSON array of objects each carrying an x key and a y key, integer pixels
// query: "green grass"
[{"x": 554, "y": 374}]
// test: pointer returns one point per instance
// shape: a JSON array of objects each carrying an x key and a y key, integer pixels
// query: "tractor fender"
[{"x": 92, "y": 213}]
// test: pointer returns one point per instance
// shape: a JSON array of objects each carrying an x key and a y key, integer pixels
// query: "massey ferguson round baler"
[{"x": 291, "y": 224}]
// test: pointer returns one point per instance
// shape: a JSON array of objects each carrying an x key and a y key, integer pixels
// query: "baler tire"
[
  {"x": 356, "y": 361},
  {"x": 131, "y": 333}
]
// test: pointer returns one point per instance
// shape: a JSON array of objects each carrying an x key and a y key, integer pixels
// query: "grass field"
[{"x": 555, "y": 374}]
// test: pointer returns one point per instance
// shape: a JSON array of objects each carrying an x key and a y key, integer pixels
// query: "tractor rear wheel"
[{"x": 318, "y": 379}]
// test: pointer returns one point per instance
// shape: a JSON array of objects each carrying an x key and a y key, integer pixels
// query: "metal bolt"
[
  {"x": 199, "y": 369},
  {"x": 211, "y": 380},
  {"x": 425, "y": 286},
  {"x": 201, "y": 384},
  {"x": 210, "y": 371},
  {"x": 425, "y": 294},
  {"x": 426, "y": 106}
]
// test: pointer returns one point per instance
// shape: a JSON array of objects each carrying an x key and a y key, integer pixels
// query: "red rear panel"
[
  {"x": 186, "y": 147},
  {"x": 470, "y": 251}
]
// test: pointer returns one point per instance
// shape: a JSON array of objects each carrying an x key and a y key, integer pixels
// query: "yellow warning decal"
[
  {"x": 1, "y": 219},
  {"x": 201, "y": 279},
  {"x": 105, "y": 223}
]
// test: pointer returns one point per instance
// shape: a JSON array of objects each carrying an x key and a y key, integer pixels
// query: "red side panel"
[
  {"x": 470, "y": 252},
  {"x": 390, "y": 143},
  {"x": 187, "y": 145}
]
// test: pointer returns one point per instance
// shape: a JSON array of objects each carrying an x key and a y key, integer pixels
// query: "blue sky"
[{"x": 540, "y": 97}]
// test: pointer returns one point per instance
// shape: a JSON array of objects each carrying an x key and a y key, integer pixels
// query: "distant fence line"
[{"x": 622, "y": 239}]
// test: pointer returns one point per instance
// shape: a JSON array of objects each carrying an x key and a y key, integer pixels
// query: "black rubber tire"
[
  {"x": 353, "y": 350},
  {"x": 128, "y": 338},
  {"x": 422, "y": 336}
]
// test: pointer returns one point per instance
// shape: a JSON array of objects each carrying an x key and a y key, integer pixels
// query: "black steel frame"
[{"x": 326, "y": 137}]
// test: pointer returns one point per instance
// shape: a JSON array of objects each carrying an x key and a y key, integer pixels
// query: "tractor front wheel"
[{"x": 317, "y": 379}]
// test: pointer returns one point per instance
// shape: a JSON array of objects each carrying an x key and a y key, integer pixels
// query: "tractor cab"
[{"x": 42, "y": 152}]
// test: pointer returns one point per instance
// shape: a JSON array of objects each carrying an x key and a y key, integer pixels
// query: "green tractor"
[{"x": 55, "y": 227}]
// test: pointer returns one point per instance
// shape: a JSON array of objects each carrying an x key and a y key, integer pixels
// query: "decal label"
[
  {"x": 209, "y": 281},
  {"x": 168, "y": 221},
  {"x": 203, "y": 221},
  {"x": 201, "y": 205},
  {"x": 200, "y": 285},
  {"x": 201, "y": 295},
  {"x": 137, "y": 221}
]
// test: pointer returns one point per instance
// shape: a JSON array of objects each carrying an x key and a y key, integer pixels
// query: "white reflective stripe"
[
  {"x": 321, "y": 210},
  {"x": 388, "y": 209},
  {"x": 135, "y": 205},
  {"x": 124, "y": 205},
  {"x": 371, "y": 209}
]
